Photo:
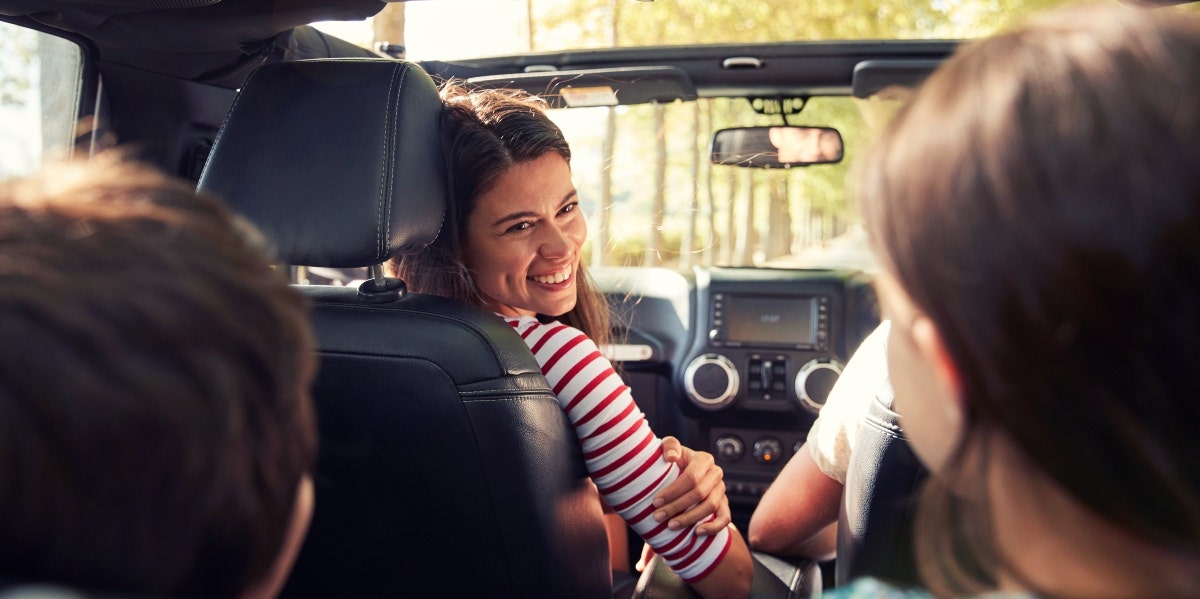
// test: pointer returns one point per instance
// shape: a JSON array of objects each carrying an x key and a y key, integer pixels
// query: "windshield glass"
[
  {"x": 660, "y": 202},
  {"x": 642, "y": 171},
  {"x": 502, "y": 27}
]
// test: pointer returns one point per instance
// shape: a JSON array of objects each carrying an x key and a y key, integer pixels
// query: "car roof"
[{"x": 218, "y": 42}]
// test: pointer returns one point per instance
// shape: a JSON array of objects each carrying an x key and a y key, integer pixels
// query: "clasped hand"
[{"x": 698, "y": 493}]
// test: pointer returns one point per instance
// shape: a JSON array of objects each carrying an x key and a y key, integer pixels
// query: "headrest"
[{"x": 339, "y": 162}]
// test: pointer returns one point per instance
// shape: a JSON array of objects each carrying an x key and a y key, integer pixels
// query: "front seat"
[
  {"x": 446, "y": 467},
  {"x": 879, "y": 502}
]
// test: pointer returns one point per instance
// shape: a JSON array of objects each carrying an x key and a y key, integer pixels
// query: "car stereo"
[{"x": 769, "y": 321}]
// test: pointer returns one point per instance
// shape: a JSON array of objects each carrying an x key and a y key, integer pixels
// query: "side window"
[{"x": 40, "y": 82}]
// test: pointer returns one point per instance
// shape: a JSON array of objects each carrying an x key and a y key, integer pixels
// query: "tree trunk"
[
  {"x": 655, "y": 245},
  {"x": 779, "y": 217},
  {"x": 710, "y": 248},
  {"x": 529, "y": 22},
  {"x": 746, "y": 236},
  {"x": 602, "y": 243},
  {"x": 687, "y": 243},
  {"x": 727, "y": 248},
  {"x": 388, "y": 25}
]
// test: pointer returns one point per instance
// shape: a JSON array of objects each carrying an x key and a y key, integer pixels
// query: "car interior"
[{"x": 446, "y": 467}]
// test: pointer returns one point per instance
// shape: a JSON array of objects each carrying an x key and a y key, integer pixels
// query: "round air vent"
[
  {"x": 815, "y": 380},
  {"x": 711, "y": 381}
]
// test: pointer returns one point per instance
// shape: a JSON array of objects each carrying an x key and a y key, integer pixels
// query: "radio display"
[{"x": 771, "y": 320}]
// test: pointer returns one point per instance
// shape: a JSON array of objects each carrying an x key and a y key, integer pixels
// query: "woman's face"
[
  {"x": 523, "y": 239},
  {"x": 923, "y": 379}
]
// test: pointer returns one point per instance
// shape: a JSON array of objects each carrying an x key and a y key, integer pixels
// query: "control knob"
[
  {"x": 815, "y": 380},
  {"x": 767, "y": 450},
  {"x": 730, "y": 448},
  {"x": 711, "y": 381}
]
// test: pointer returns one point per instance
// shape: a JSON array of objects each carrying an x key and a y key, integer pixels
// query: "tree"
[
  {"x": 814, "y": 197},
  {"x": 654, "y": 243},
  {"x": 388, "y": 25},
  {"x": 779, "y": 216},
  {"x": 686, "y": 245}
]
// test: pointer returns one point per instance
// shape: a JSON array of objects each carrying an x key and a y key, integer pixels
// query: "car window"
[{"x": 40, "y": 78}]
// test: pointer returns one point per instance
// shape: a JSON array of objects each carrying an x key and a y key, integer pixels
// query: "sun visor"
[
  {"x": 598, "y": 87},
  {"x": 872, "y": 76}
]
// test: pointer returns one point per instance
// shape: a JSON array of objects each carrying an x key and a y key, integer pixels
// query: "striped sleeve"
[{"x": 623, "y": 456}]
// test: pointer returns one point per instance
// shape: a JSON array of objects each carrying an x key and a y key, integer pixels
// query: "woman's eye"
[
  {"x": 569, "y": 208},
  {"x": 521, "y": 226}
]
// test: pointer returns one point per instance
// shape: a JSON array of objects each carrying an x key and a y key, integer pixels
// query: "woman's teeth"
[{"x": 551, "y": 279}]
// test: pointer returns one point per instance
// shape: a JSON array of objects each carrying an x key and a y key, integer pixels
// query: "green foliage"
[
  {"x": 18, "y": 57},
  {"x": 565, "y": 24},
  {"x": 817, "y": 192}
]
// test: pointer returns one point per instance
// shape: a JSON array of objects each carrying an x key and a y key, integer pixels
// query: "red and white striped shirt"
[{"x": 623, "y": 455}]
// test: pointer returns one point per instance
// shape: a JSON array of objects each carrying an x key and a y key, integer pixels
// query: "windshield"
[
  {"x": 642, "y": 171},
  {"x": 661, "y": 203},
  {"x": 503, "y": 27}
]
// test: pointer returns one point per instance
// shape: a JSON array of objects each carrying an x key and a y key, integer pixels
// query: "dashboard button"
[
  {"x": 730, "y": 448},
  {"x": 767, "y": 450}
]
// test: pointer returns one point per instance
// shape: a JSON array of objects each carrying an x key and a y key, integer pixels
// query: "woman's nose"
[{"x": 556, "y": 243}]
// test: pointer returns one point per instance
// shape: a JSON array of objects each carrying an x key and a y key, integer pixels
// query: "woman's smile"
[{"x": 555, "y": 278}]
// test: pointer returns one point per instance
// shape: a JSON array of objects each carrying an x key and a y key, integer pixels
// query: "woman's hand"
[{"x": 698, "y": 493}]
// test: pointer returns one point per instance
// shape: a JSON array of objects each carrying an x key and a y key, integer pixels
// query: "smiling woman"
[{"x": 512, "y": 244}]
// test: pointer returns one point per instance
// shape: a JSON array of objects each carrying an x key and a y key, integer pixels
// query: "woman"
[
  {"x": 512, "y": 244},
  {"x": 1043, "y": 284}
]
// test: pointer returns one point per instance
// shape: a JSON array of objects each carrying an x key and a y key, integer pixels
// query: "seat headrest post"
[
  {"x": 338, "y": 161},
  {"x": 381, "y": 291},
  {"x": 377, "y": 273}
]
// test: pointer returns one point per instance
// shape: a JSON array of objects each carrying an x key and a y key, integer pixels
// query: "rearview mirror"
[{"x": 777, "y": 147}]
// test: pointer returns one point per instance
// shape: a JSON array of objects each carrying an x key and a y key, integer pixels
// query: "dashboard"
[{"x": 736, "y": 361}]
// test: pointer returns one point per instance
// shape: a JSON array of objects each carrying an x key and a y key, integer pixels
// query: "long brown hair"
[
  {"x": 1039, "y": 200},
  {"x": 487, "y": 131}
]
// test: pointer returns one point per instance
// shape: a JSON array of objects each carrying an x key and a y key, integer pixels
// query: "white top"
[{"x": 865, "y": 377}]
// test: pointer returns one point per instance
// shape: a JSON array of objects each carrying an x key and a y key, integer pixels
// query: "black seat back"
[
  {"x": 878, "y": 503},
  {"x": 446, "y": 467}
]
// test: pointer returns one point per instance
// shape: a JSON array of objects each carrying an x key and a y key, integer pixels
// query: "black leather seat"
[
  {"x": 774, "y": 578},
  {"x": 879, "y": 503},
  {"x": 446, "y": 467}
]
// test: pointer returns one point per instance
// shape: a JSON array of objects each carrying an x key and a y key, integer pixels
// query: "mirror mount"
[{"x": 780, "y": 105}]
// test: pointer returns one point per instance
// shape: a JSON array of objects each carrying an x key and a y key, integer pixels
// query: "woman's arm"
[{"x": 626, "y": 461}]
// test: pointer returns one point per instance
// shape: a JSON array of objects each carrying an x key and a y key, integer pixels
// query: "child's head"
[
  {"x": 1037, "y": 212},
  {"x": 156, "y": 432}
]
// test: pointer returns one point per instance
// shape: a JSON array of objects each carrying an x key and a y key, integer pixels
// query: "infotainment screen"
[{"x": 771, "y": 320}]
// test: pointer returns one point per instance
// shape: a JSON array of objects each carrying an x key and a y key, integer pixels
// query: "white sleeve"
[{"x": 832, "y": 435}]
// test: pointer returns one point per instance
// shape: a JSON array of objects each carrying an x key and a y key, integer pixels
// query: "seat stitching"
[
  {"x": 507, "y": 399},
  {"x": 384, "y": 181},
  {"x": 392, "y": 170},
  {"x": 526, "y": 394}
]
